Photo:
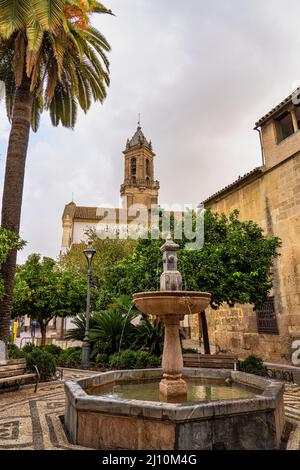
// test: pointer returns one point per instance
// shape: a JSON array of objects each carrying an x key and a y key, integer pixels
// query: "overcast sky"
[{"x": 200, "y": 73}]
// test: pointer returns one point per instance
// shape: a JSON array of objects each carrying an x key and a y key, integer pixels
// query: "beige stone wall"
[
  {"x": 277, "y": 152},
  {"x": 273, "y": 201}
]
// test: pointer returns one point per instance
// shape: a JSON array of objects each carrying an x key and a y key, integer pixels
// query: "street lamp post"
[{"x": 89, "y": 254}]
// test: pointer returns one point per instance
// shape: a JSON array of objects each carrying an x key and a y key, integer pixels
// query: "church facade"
[
  {"x": 270, "y": 196},
  {"x": 139, "y": 192}
]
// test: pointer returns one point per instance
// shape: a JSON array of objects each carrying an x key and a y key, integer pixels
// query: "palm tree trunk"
[{"x": 13, "y": 191}]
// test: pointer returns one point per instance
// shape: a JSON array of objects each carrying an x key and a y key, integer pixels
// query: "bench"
[
  {"x": 14, "y": 372},
  {"x": 210, "y": 361}
]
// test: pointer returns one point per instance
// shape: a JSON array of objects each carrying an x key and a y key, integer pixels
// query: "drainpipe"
[{"x": 261, "y": 145}]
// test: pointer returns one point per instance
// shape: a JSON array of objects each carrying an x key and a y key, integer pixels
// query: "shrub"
[
  {"x": 44, "y": 361},
  {"x": 28, "y": 348},
  {"x": 53, "y": 349},
  {"x": 14, "y": 352},
  {"x": 69, "y": 357},
  {"x": 129, "y": 359},
  {"x": 144, "y": 360},
  {"x": 73, "y": 359},
  {"x": 253, "y": 365},
  {"x": 149, "y": 336},
  {"x": 102, "y": 359},
  {"x": 189, "y": 351}
]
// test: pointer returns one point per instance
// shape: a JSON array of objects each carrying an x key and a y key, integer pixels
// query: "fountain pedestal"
[
  {"x": 172, "y": 388},
  {"x": 171, "y": 304}
]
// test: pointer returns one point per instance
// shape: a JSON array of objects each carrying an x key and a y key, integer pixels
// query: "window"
[
  {"x": 147, "y": 181},
  {"x": 147, "y": 167},
  {"x": 266, "y": 318},
  {"x": 133, "y": 166},
  {"x": 284, "y": 125}
]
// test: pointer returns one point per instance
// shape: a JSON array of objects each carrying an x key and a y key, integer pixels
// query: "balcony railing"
[{"x": 141, "y": 183}]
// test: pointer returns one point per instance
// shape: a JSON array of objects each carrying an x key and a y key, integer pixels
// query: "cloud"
[{"x": 200, "y": 73}]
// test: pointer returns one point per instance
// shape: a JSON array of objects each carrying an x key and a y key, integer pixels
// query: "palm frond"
[
  {"x": 13, "y": 16},
  {"x": 49, "y": 12},
  {"x": 37, "y": 109}
]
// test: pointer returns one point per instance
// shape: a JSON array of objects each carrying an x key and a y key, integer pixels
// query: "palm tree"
[{"x": 50, "y": 58}]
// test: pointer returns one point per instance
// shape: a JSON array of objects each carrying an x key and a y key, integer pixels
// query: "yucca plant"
[
  {"x": 78, "y": 332},
  {"x": 50, "y": 58},
  {"x": 149, "y": 336},
  {"x": 112, "y": 331}
]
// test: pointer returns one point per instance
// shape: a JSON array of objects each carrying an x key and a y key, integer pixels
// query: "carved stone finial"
[{"x": 171, "y": 278}]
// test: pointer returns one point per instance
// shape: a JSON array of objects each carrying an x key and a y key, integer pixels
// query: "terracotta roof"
[
  {"x": 277, "y": 108},
  {"x": 241, "y": 179},
  {"x": 87, "y": 213},
  {"x": 91, "y": 213}
]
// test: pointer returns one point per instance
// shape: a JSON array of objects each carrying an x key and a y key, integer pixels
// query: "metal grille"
[{"x": 266, "y": 318}]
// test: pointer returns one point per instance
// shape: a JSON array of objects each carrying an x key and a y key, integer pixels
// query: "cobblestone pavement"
[
  {"x": 292, "y": 403},
  {"x": 31, "y": 420}
]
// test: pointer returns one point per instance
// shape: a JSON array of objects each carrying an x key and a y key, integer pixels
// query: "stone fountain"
[
  {"x": 171, "y": 304},
  {"x": 174, "y": 408}
]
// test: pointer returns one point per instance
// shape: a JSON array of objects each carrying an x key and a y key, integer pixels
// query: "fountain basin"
[
  {"x": 162, "y": 303},
  {"x": 106, "y": 422}
]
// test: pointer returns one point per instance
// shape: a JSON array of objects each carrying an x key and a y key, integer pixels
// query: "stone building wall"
[{"x": 273, "y": 201}]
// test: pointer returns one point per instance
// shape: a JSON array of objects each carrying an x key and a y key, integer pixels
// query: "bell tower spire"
[{"x": 139, "y": 185}]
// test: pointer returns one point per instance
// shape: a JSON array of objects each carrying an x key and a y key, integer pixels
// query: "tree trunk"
[
  {"x": 43, "y": 333},
  {"x": 13, "y": 192},
  {"x": 205, "y": 333}
]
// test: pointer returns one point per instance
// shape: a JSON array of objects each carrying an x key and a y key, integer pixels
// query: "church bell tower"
[{"x": 139, "y": 186}]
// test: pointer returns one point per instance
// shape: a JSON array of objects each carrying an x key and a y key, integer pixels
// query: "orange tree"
[{"x": 42, "y": 291}]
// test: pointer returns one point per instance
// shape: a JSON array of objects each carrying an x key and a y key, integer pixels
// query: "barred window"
[{"x": 266, "y": 318}]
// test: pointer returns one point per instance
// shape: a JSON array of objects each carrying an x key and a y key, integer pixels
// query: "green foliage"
[
  {"x": 112, "y": 330},
  {"x": 130, "y": 359},
  {"x": 108, "y": 328},
  {"x": 53, "y": 349},
  {"x": 70, "y": 357},
  {"x": 102, "y": 359},
  {"x": 108, "y": 252},
  {"x": 44, "y": 361},
  {"x": 43, "y": 291},
  {"x": 28, "y": 348},
  {"x": 54, "y": 44},
  {"x": 77, "y": 333},
  {"x": 149, "y": 336},
  {"x": 9, "y": 241},
  {"x": 234, "y": 264},
  {"x": 189, "y": 351},
  {"x": 253, "y": 365},
  {"x": 14, "y": 352}
]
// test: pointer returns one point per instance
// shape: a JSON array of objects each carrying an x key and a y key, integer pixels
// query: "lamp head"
[{"x": 89, "y": 252}]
